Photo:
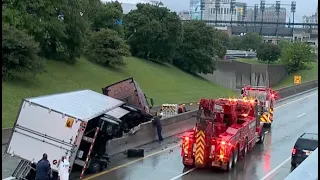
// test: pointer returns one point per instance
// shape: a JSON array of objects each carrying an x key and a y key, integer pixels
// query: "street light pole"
[
  {"x": 232, "y": 8},
  {"x": 201, "y": 9},
  {"x": 217, "y": 6},
  {"x": 278, "y": 13},
  {"x": 255, "y": 13},
  {"x": 262, "y": 8}
]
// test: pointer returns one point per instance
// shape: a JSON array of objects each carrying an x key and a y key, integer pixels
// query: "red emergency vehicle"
[
  {"x": 225, "y": 130},
  {"x": 266, "y": 101}
]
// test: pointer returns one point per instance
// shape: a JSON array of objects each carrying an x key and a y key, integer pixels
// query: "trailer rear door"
[
  {"x": 49, "y": 134},
  {"x": 54, "y": 124}
]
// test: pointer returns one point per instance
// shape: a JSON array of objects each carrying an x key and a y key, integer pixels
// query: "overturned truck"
[
  {"x": 74, "y": 124},
  {"x": 129, "y": 91}
]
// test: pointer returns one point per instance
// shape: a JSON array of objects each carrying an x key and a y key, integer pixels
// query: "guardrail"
[
  {"x": 171, "y": 126},
  {"x": 307, "y": 170}
]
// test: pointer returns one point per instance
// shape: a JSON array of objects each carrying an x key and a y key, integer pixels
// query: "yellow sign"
[
  {"x": 69, "y": 123},
  {"x": 297, "y": 79}
]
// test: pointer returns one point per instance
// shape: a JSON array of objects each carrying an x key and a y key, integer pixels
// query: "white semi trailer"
[{"x": 72, "y": 124}]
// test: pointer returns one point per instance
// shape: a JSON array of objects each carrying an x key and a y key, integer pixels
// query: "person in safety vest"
[
  {"x": 157, "y": 122},
  {"x": 63, "y": 169},
  {"x": 43, "y": 168}
]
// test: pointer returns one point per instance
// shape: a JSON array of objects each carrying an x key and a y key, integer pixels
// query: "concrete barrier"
[
  {"x": 291, "y": 90},
  {"x": 171, "y": 126},
  {"x": 147, "y": 133},
  {"x": 307, "y": 170}
]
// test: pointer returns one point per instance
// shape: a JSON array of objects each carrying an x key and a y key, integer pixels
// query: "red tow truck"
[
  {"x": 266, "y": 101},
  {"x": 225, "y": 130}
]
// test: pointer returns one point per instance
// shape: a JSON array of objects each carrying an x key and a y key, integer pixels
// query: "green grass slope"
[
  {"x": 306, "y": 76},
  {"x": 164, "y": 83}
]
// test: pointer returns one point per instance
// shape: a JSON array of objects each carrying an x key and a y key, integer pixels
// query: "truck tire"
[
  {"x": 230, "y": 161},
  {"x": 245, "y": 148},
  {"x": 262, "y": 136},
  {"x": 94, "y": 167},
  {"x": 187, "y": 165},
  {"x": 235, "y": 156}
]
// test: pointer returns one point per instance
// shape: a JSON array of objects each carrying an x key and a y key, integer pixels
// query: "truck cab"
[{"x": 265, "y": 98}]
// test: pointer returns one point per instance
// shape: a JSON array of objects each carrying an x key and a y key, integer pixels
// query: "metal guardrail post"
[{"x": 307, "y": 170}]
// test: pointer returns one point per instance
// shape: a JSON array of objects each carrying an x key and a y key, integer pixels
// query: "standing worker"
[
  {"x": 43, "y": 170},
  {"x": 157, "y": 122},
  {"x": 64, "y": 169}
]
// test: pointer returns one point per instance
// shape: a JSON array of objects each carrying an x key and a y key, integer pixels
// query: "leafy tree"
[
  {"x": 19, "y": 54},
  {"x": 220, "y": 40},
  {"x": 236, "y": 43},
  {"x": 282, "y": 44},
  {"x": 268, "y": 52},
  {"x": 152, "y": 32},
  {"x": 105, "y": 15},
  {"x": 58, "y": 26},
  {"x": 75, "y": 19},
  {"x": 196, "y": 53},
  {"x": 251, "y": 41},
  {"x": 296, "y": 56},
  {"x": 107, "y": 48}
]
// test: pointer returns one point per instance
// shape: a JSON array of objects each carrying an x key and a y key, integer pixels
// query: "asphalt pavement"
[{"x": 269, "y": 161}]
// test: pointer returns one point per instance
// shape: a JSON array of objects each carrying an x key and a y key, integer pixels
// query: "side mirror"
[{"x": 151, "y": 101}]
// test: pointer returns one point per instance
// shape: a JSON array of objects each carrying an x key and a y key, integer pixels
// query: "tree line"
[{"x": 63, "y": 30}]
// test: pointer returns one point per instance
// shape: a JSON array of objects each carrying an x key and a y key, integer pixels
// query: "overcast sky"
[{"x": 304, "y": 7}]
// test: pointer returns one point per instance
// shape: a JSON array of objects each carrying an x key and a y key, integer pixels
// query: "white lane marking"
[
  {"x": 180, "y": 175},
  {"x": 275, "y": 169},
  {"x": 301, "y": 115},
  {"x": 290, "y": 102}
]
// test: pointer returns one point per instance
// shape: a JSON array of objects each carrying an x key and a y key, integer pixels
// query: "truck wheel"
[
  {"x": 235, "y": 156},
  {"x": 262, "y": 136},
  {"x": 187, "y": 165},
  {"x": 245, "y": 148},
  {"x": 230, "y": 162},
  {"x": 94, "y": 167}
]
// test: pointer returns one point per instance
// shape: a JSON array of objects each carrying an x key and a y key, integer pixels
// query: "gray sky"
[{"x": 304, "y": 7}]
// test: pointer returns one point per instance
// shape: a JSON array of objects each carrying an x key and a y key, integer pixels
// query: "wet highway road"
[
  {"x": 163, "y": 162},
  {"x": 269, "y": 161}
]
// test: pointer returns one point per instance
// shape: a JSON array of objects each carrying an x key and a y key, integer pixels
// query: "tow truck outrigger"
[
  {"x": 225, "y": 129},
  {"x": 266, "y": 99}
]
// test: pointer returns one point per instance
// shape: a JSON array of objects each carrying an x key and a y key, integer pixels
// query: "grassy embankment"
[{"x": 164, "y": 83}]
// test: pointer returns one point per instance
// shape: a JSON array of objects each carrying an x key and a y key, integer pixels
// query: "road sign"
[
  {"x": 69, "y": 122},
  {"x": 297, "y": 79}
]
